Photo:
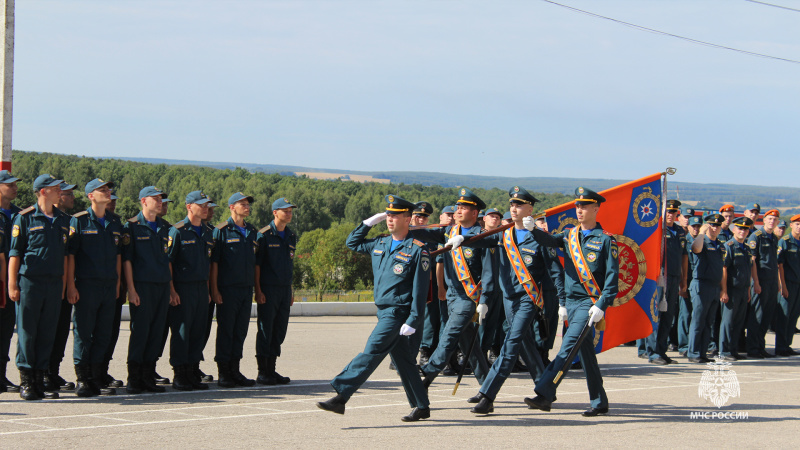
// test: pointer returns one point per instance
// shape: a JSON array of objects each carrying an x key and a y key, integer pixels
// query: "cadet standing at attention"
[
  {"x": 274, "y": 268},
  {"x": 764, "y": 246},
  {"x": 212, "y": 307},
  {"x": 233, "y": 262},
  {"x": 8, "y": 309},
  {"x": 588, "y": 294},
  {"x": 94, "y": 268},
  {"x": 685, "y": 313},
  {"x": 122, "y": 297},
  {"x": 706, "y": 284},
  {"x": 735, "y": 296},
  {"x": 190, "y": 245},
  {"x": 36, "y": 271},
  {"x": 401, "y": 267},
  {"x": 145, "y": 264},
  {"x": 789, "y": 302}
]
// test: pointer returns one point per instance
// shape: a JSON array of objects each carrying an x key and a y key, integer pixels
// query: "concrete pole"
[{"x": 7, "y": 71}]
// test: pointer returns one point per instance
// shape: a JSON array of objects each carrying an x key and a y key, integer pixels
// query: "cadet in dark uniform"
[
  {"x": 524, "y": 265},
  {"x": 494, "y": 318},
  {"x": 401, "y": 267},
  {"x": 145, "y": 264},
  {"x": 677, "y": 264},
  {"x": 432, "y": 325},
  {"x": 274, "y": 267},
  {"x": 8, "y": 309},
  {"x": 233, "y": 262},
  {"x": 764, "y": 246},
  {"x": 122, "y": 297},
  {"x": 588, "y": 294},
  {"x": 468, "y": 275},
  {"x": 93, "y": 277},
  {"x": 685, "y": 313},
  {"x": 789, "y": 302},
  {"x": 52, "y": 380},
  {"x": 38, "y": 257},
  {"x": 735, "y": 296},
  {"x": 165, "y": 201},
  {"x": 190, "y": 245},
  {"x": 212, "y": 307},
  {"x": 705, "y": 288}
]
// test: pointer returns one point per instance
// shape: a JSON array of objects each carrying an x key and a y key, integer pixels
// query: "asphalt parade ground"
[{"x": 650, "y": 406}]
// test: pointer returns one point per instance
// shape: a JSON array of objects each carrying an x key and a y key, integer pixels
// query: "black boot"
[
  {"x": 158, "y": 379},
  {"x": 279, "y": 379},
  {"x": 416, "y": 414},
  {"x": 265, "y": 376},
  {"x": 180, "y": 381},
  {"x": 424, "y": 356},
  {"x": 476, "y": 399},
  {"x": 98, "y": 380},
  {"x": 27, "y": 390},
  {"x": 83, "y": 389},
  {"x": 10, "y": 387},
  {"x": 238, "y": 377},
  {"x": 194, "y": 380},
  {"x": 225, "y": 378},
  {"x": 485, "y": 406},
  {"x": 201, "y": 375},
  {"x": 54, "y": 382},
  {"x": 148, "y": 371},
  {"x": 335, "y": 404},
  {"x": 108, "y": 380},
  {"x": 39, "y": 384},
  {"x": 135, "y": 385}
]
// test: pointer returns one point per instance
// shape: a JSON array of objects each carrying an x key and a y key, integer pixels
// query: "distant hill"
[{"x": 699, "y": 195}]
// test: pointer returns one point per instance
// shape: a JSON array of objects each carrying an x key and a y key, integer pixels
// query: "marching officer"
[
  {"x": 789, "y": 302},
  {"x": 588, "y": 294},
  {"x": 38, "y": 257},
  {"x": 685, "y": 314},
  {"x": 145, "y": 263},
  {"x": 432, "y": 325},
  {"x": 190, "y": 245},
  {"x": 401, "y": 267},
  {"x": 735, "y": 296},
  {"x": 8, "y": 309},
  {"x": 764, "y": 246},
  {"x": 94, "y": 268},
  {"x": 494, "y": 318},
  {"x": 273, "y": 272},
  {"x": 705, "y": 288},
  {"x": 677, "y": 263},
  {"x": 233, "y": 262}
]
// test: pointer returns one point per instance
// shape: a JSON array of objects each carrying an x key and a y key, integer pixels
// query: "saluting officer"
[
  {"x": 468, "y": 275},
  {"x": 764, "y": 246},
  {"x": 728, "y": 214},
  {"x": 588, "y": 294},
  {"x": 145, "y": 263},
  {"x": 789, "y": 302},
  {"x": 274, "y": 267},
  {"x": 736, "y": 273},
  {"x": 93, "y": 277},
  {"x": 233, "y": 262},
  {"x": 706, "y": 285},
  {"x": 38, "y": 257},
  {"x": 8, "y": 309},
  {"x": 401, "y": 267}
]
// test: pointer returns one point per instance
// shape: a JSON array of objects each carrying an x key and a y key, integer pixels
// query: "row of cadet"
[{"x": 81, "y": 269}]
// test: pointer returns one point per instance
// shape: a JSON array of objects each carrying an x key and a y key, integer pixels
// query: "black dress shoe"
[
  {"x": 485, "y": 406},
  {"x": 791, "y": 352},
  {"x": 672, "y": 348},
  {"x": 335, "y": 404},
  {"x": 727, "y": 358},
  {"x": 738, "y": 356},
  {"x": 416, "y": 414},
  {"x": 754, "y": 355},
  {"x": 538, "y": 402},
  {"x": 766, "y": 355},
  {"x": 476, "y": 399},
  {"x": 591, "y": 412},
  {"x": 659, "y": 361},
  {"x": 699, "y": 360},
  {"x": 683, "y": 353}
]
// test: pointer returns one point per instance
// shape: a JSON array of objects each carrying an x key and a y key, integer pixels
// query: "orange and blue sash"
[
  {"x": 524, "y": 277},
  {"x": 576, "y": 255},
  {"x": 472, "y": 289}
]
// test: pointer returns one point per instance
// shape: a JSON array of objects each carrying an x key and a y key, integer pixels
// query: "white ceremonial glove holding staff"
[
  {"x": 596, "y": 314},
  {"x": 562, "y": 313},
  {"x": 454, "y": 242},
  {"x": 376, "y": 219},
  {"x": 529, "y": 223},
  {"x": 482, "y": 309},
  {"x": 406, "y": 330}
]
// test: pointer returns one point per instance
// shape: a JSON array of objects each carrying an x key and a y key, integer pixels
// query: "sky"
[{"x": 500, "y": 88}]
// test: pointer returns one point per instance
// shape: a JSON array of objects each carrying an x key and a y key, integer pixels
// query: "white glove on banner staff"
[{"x": 454, "y": 242}]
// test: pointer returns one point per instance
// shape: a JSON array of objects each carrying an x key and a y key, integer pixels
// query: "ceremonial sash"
[
  {"x": 472, "y": 289},
  {"x": 576, "y": 255},
  {"x": 523, "y": 275}
]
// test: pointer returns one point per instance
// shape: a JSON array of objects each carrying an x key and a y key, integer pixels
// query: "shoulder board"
[
  {"x": 609, "y": 234},
  {"x": 222, "y": 225},
  {"x": 80, "y": 214},
  {"x": 134, "y": 219},
  {"x": 787, "y": 237},
  {"x": 26, "y": 210},
  {"x": 419, "y": 243},
  {"x": 180, "y": 224},
  {"x": 758, "y": 233},
  {"x": 264, "y": 230}
]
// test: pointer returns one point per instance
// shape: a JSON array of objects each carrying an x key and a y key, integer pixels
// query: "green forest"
[{"x": 328, "y": 209}]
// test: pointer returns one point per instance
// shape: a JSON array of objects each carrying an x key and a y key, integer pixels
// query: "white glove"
[
  {"x": 406, "y": 330},
  {"x": 596, "y": 314},
  {"x": 482, "y": 309},
  {"x": 662, "y": 305},
  {"x": 529, "y": 223},
  {"x": 376, "y": 219},
  {"x": 562, "y": 313},
  {"x": 454, "y": 242}
]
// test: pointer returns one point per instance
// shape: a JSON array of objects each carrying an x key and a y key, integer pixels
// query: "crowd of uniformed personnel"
[{"x": 81, "y": 269}]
